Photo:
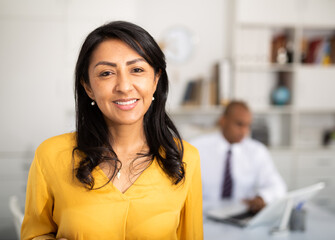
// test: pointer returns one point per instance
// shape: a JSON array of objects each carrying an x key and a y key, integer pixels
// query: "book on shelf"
[
  {"x": 214, "y": 84},
  {"x": 192, "y": 95},
  {"x": 224, "y": 83},
  {"x": 320, "y": 50},
  {"x": 312, "y": 49},
  {"x": 221, "y": 86},
  {"x": 217, "y": 91},
  {"x": 213, "y": 92},
  {"x": 332, "y": 49}
]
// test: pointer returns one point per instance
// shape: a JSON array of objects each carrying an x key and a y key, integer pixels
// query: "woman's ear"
[
  {"x": 88, "y": 90},
  {"x": 157, "y": 77}
]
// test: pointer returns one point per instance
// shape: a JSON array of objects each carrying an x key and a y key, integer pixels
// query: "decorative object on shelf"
[
  {"x": 329, "y": 138},
  {"x": 289, "y": 51},
  {"x": 282, "y": 49},
  {"x": 178, "y": 44},
  {"x": 281, "y": 95},
  {"x": 278, "y": 52},
  {"x": 281, "y": 56}
]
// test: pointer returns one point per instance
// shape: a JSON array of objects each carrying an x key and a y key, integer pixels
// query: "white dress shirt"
[{"x": 253, "y": 172}]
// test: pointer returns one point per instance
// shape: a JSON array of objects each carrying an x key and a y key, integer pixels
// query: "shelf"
[
  {"x": 291, "y": 149},
  {"x": 265, "y": 25},
  {"x": 315, "y": 66},
  {"x": 217, "y": 110},
  {"x": 284, "y": 149},
  {"x": 284, "y": 25},
  {"x": 268, "y": 67},
  {"x": 274, "y": 110},
  {"x": 196, "y": 110},
  {"x": 317, "y": 111},
  {"x": 327, "y": 150},
  {"x": 317, "y": 26}
]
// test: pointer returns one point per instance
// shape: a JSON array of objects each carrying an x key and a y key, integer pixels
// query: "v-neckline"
[{"x": 137, "y": 180}]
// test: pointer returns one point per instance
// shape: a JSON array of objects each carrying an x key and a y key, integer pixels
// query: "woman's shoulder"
[
  {"x": 191, "y": 154},
  {"x": 56, "y": 144},
  {"x": 188, "y": 147}
]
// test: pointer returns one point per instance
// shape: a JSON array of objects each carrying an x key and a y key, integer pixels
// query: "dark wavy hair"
[{"x": 93, "y": 138}]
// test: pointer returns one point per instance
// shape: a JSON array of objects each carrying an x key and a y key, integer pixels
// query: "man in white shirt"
[{"x": 248, "y": 174}]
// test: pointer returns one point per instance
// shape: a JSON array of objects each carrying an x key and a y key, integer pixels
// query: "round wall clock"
[{"x": 178, "y": 44}]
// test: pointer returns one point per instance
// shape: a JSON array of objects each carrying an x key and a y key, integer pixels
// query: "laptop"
[{"x": 236, "y": 213}]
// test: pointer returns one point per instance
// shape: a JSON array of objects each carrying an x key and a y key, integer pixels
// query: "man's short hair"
[{"x": 233, "y": 104}]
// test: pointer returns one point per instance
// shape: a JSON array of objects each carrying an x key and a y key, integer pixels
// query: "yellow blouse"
[{"x": 152, "y": 208}]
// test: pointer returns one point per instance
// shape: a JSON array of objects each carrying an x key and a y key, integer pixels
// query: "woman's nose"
[{"x": 124, "y": 83}]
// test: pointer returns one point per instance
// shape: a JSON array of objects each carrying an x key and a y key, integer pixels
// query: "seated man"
[{"x": 235, "y": 166}]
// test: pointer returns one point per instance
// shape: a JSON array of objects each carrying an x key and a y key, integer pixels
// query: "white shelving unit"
[
  {"x": 298, "y": 127},
  {"x": 295, "y": 129}
]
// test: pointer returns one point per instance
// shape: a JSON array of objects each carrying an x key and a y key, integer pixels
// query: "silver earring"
[
  {"x": 93, "y": 103},
  {"x": 153, "y": 98}
]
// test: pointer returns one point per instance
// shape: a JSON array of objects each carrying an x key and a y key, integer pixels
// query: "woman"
[{"x": 125, "y": 173}]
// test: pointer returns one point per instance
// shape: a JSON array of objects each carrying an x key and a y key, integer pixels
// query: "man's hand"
[{"x": 255, "y": 204}]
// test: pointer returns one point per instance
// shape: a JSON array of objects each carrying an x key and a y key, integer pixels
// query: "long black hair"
[{"x": 93, "y": 138}]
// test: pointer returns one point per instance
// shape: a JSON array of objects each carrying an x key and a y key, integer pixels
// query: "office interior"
[{"x": 277, "y": 55}]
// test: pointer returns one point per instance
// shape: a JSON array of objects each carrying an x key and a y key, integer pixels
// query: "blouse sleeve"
[
  {"x": 191, "y": 226},
  {"x": 38, "y": 222}
]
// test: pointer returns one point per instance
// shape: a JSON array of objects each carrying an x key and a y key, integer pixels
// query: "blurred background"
[{"x": 277, "y": 55}]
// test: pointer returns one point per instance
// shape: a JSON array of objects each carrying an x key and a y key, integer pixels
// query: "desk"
[{"x": 320, "y": 225}]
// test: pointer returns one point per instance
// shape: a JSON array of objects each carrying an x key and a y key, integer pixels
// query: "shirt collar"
[{"x": 233, "y": 146}]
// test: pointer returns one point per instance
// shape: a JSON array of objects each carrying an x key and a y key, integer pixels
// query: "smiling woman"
[
  {"x": 126, "y": 173},
  {"x": 121, "y": 82}
]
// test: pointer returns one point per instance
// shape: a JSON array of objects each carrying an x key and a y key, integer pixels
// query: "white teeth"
[{"x": 126, "y": 103}]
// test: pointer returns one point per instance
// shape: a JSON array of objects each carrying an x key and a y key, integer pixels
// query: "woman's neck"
[{"x": 127, "y": 139}]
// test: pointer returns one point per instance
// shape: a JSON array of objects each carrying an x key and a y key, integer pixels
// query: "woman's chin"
[{"x": 125, "y": 121}]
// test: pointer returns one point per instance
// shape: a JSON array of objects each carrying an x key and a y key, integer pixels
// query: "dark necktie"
[{"x": 227, "y": 181}]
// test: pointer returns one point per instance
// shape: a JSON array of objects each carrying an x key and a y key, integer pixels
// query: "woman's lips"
[{"x": 126, "y": 104}]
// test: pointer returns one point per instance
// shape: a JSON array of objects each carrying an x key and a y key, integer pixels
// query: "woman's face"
[{"x": 121, "y": 82}]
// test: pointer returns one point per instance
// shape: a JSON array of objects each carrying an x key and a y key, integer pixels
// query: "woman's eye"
[
  {"x": 137, "y": 70},
  {"x": 105, "y": 74}
]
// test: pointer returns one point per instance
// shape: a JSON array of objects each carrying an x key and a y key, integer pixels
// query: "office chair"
[{"x": 16, "y": 213}]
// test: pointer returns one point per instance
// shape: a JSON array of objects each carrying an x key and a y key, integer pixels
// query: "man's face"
[{"x": 236, "y": 125}]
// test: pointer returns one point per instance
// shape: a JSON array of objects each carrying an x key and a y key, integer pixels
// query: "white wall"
[{"x": 40, "y": 40}]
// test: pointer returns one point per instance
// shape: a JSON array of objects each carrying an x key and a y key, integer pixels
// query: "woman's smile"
[{"x": 126, "y": 104}]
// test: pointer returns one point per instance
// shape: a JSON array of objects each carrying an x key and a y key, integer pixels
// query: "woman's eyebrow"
[
  {"x": 115, "y": 65},
  {"x": 135, "y": 61},
  {"x": 106, "y": 63}
]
